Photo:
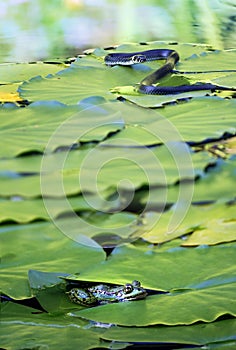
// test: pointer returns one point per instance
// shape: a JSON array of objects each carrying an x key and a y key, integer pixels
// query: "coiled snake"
[{"x": 146, "y": 85}]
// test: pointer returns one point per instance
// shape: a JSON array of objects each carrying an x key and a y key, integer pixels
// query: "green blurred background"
[{"x": 41, "y": 29}]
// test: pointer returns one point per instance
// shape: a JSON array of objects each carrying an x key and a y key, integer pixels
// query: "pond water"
[{"x": 40, "y": 29}]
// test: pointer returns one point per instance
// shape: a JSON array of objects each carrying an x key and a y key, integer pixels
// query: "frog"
[{"x": 103, "y": 294}]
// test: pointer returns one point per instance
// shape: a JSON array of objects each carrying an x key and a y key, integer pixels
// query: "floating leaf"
[
  {"x": 217, "y": 231},
  {"x": 198, "y": 283},
  {"x": 216, "y": 67},
  {"x": 34, "y": 330},
  {"x": 31, "y": 337},
  {"x": 52, "y": 252},
  {"x": 41, "y": 280},
  {"x": 104, "y": 169},
  {"x": 188, "y": 307},
  {"x": 167, "y": 267},
  {"x": 200, "y": 334},
  {"x": 86, "y": 77},
  {"x": 201, "y": 119},
  {"x": 9, "y": 94},
  {"x": 18, "y": 72},
  {"x": 31, "y": 128},
  {"x": 194, "y": 121},
  {"x": 209, "y": 188},
  {"x": 210, "y": 225},
  {"x": 210, "y": 61},
  {"x": 23, "y": 211},
  {"x": 89, "y": 76}
]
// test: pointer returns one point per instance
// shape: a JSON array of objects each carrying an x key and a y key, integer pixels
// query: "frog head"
[{"x": 130, "y": 291}]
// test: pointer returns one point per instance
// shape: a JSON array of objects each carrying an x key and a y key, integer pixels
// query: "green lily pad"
[
  {"x": 222, "y": 62},
  {"x": 41, "y": 280},
  {"x": 166, "y": 267},
  {"x": 217, "y": 231},
  {"x": 215, "y": 185},
  {"x": 185, "y": 49},
  {"x": 208, "y": 61},
  {"x": 18, "y": 72},
  {"x": 87, "y": 76},
  {"x": 35, "y": 329},
  {"x": 210, "y": 225},
  {"x": 194, "y": 121},
  {"x": 100, "y": 229},
  {"x": 102, "y": 170},
  {"x": 23, "y": 211},
  {"x": 52, "y": 252},
  {"x": 199, "y": 334},
  {"x": 83, "y": 78},
  {"x": 29, "y": 336},
  {"x": 188, "y": 307},
  {"x": 201, "y": 119},
  {"x": 31, "y": 128}
]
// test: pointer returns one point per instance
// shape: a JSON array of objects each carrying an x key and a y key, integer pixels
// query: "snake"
[{"x": 171, "y": 58}]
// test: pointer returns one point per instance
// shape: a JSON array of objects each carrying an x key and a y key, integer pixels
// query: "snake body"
[
  {"x": 146, "y": 85},
  {"x": 127, "y": 59}
]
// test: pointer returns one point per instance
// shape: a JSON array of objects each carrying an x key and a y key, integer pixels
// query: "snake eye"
[
  {"x": 138, "y": 58},
  {"x": 128, "y": 288}
]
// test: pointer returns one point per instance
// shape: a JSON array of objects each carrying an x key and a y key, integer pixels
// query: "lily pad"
[
  {"x": 167, "y": 267},
  {"x": 211, "y": 224},
  {"x": 86, "y": 77},
  {"x": 194, "y": 121},
  {"x": 103, "y": 170},
  {"x": 53, "y": 252},
  {"x": 185, "y": 49},
  {"x": 36, "y": 329},
  {"x": 19, "y": 72},
  {"x": 23, "y": 211},
  {"x": 30, "y": 129},
  {"x": 209, "y": 61},
  {"x": 188, "y": 307},
  {"x": 216, "y": 185},
  {"x": 133, "y": 164},
  {"x": 223, "y": 73},
  {"x": 8, "y": 93},
  {"x": 201, "y": 119},
  {"x": 31, "y": 336},
  {"x": 83, "y": 78},
  {"x": 199, "y": 334},
  {"x": 217, "y": 231}
]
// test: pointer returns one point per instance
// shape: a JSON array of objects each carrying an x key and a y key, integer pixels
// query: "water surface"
[{"x": 40, "y": 29}]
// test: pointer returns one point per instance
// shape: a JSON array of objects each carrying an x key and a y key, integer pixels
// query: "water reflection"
[{"x": 38, "y": 29}]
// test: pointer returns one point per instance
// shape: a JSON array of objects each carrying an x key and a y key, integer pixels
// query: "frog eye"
[
  {"x": 128, "y": 288},
  {"x": 136, "y": 283}
]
